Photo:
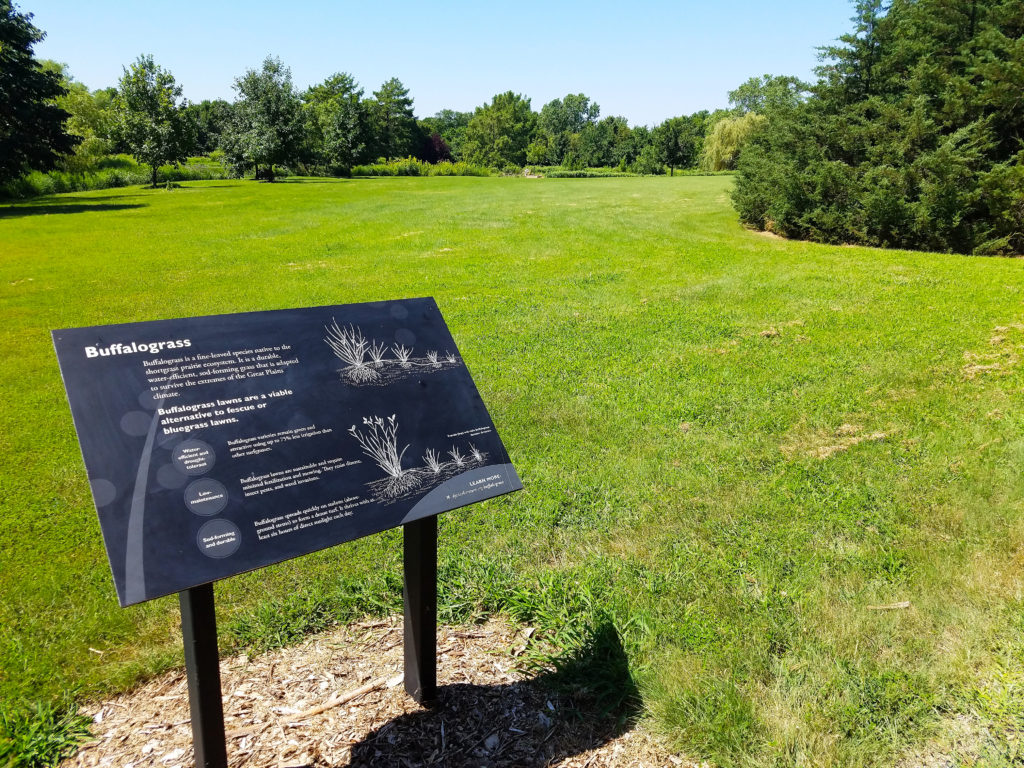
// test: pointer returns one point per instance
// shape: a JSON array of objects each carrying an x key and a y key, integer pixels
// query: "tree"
[
  {"x": 91, "y": 116},
  {"x": 562, "y": 121},
  {"x": 266, "y": 127},
  {"x": 209, "y": 120},
  {"x": 337, "y": 123},
  {"x": 679, "y": 140},
  {"x": 722, "y": 146},
  {"x": 32, "y": 127},
  {"x": 500, "y": 132},
  {"x": 394, "y": 122},
  {"x": 149, "y": 119},
  {"x": 450, "y": 125},
  {"x": 911, "y": 138},
  {"x": 767, "y": 93}
]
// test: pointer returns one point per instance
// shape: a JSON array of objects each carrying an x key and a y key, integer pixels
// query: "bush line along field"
[{"x": 744, "y": 455}]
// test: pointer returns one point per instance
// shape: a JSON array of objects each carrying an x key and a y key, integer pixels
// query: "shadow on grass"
[
  {"x": 588, "y": 699},
  {"x": 45, "y": 209}
]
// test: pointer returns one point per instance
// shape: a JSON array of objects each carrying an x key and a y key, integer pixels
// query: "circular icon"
[
  {"x": 399, "y": 312},
  {"x": 193, "y": 457},
  {"x": 206, "y": 497},
  {"x": 103, "y": 491},
  {"x": 405, "y": 336},
  {"x": 136, "y": 423},
  {"x": 218, "y": 539}
]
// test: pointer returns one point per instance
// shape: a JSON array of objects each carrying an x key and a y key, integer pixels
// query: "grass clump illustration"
[
  {"x": 457, "y": 456},
  {"x": 402, "y": 353},
  {"x": 377, "y": 350},
  {"x": 433, "y": 461},
  {"x": 380, "y": 442},
  {"x": 351, "y": 347}
]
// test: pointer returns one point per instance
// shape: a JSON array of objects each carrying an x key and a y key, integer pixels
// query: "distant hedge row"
[{"x": 913, "y": 137}]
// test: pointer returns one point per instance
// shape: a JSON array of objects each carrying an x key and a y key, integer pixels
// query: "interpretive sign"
[{"x": 217, "y": 445}]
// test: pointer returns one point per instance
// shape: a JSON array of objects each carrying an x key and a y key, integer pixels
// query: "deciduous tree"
[
  {"x": 500, "y": 132},
  {"x": 149, "y": 117},
  {"x": 266, "y": 127},
  {"x": 337, "y": 123},
  {"x": 33, "y": 134}
]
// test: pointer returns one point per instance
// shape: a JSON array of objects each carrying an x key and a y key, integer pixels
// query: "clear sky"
[{"x": 645, "y": 59}]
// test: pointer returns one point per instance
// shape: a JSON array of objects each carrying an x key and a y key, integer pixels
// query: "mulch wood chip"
[{"x": 338, "y": 700}]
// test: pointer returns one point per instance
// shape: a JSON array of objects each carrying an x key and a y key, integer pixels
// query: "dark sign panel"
[{"x": 216, "y": 445}]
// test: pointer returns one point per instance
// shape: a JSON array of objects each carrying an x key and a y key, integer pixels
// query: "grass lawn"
[{"x": 742, "y": 454}]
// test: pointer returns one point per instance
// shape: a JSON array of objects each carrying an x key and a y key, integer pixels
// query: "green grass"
[{"x": 732, "y": 446}]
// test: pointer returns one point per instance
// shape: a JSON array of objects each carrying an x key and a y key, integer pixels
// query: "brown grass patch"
[
  {"x": 1003, "y": 356},
  {"x": 822, "y": 444}
]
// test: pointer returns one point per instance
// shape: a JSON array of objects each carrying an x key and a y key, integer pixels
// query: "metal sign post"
[
  {"x": 202, "y": 667},
  {"x": 419, "y": 539}
]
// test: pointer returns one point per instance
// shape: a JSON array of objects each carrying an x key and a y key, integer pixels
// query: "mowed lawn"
[{"x": 787, "y": 475}]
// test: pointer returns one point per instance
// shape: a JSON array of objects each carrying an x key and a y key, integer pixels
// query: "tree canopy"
[
  {"x": 913, "y": 136},
  {"x": 150, "y": 120},
  {"x": 33, "y": 134},
  {"x": 266, "y": 125},
  {"x": 337, "y": 120},
  {"x": 393, "y": 119},
  {"x": 499, "y": 133}
]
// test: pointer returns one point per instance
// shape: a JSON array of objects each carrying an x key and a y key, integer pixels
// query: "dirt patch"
[
  {"x": 822, "y": 445},
  {"x": 338, "y": 700}
]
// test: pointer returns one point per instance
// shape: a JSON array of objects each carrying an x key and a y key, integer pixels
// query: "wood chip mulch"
[{"x": 338, "y": 700}]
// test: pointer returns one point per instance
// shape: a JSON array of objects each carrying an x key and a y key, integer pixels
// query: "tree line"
[{"x": 332, "y": 126}]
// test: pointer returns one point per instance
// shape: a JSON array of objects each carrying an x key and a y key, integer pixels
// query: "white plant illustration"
[
  {"x": 457, "y": 457},
  {"x": 432, "y": 356},
  {"x": 377, "y": 350},
  {"x": 478, "y": 455},
  {"x": 380, "y": 443},
  {"x": 349, "y": 344},
  {"x": 402, "y": 353},
  {"x": 449, "y": 357},
  {"x": 432, "y": 460}
]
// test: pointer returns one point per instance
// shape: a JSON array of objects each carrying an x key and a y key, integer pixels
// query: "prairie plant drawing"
[
  {"x": 350, "y": 346},
  {"x": 433, "y": 461},
  {"x": 477, "y": 454},
  {"x": 377, "y": 350},
  {"x": 367, "y": 362},
  {"x": 457, "y": 456},
  {"x": 402, "y": 354},
  {"x": 380, "y": 442}
]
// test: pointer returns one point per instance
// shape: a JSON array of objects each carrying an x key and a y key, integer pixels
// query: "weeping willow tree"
[{"x": 727, "y": 137}]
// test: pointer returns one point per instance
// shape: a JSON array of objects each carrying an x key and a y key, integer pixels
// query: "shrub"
[
  {"x": 107, "y": 172},
  {"x": 410, "y": 166}
]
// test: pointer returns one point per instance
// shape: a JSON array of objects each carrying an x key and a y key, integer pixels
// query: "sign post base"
[
  {"x": 202, "y": 667},
  {"x": 420, "y": 596}
]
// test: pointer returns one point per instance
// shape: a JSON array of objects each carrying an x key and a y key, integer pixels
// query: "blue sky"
[{"x": 645, "y": 60}]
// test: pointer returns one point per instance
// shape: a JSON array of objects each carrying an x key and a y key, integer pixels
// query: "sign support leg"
[
  {"x": 202, "y": 667},
  {"x": 420, "y": 595}
]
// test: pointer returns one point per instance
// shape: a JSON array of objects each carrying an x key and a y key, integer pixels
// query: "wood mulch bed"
[{"x": 338, "y": 700}]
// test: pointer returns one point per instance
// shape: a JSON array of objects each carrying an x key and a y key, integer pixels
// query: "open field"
[{"x": 743, "y": 455}]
